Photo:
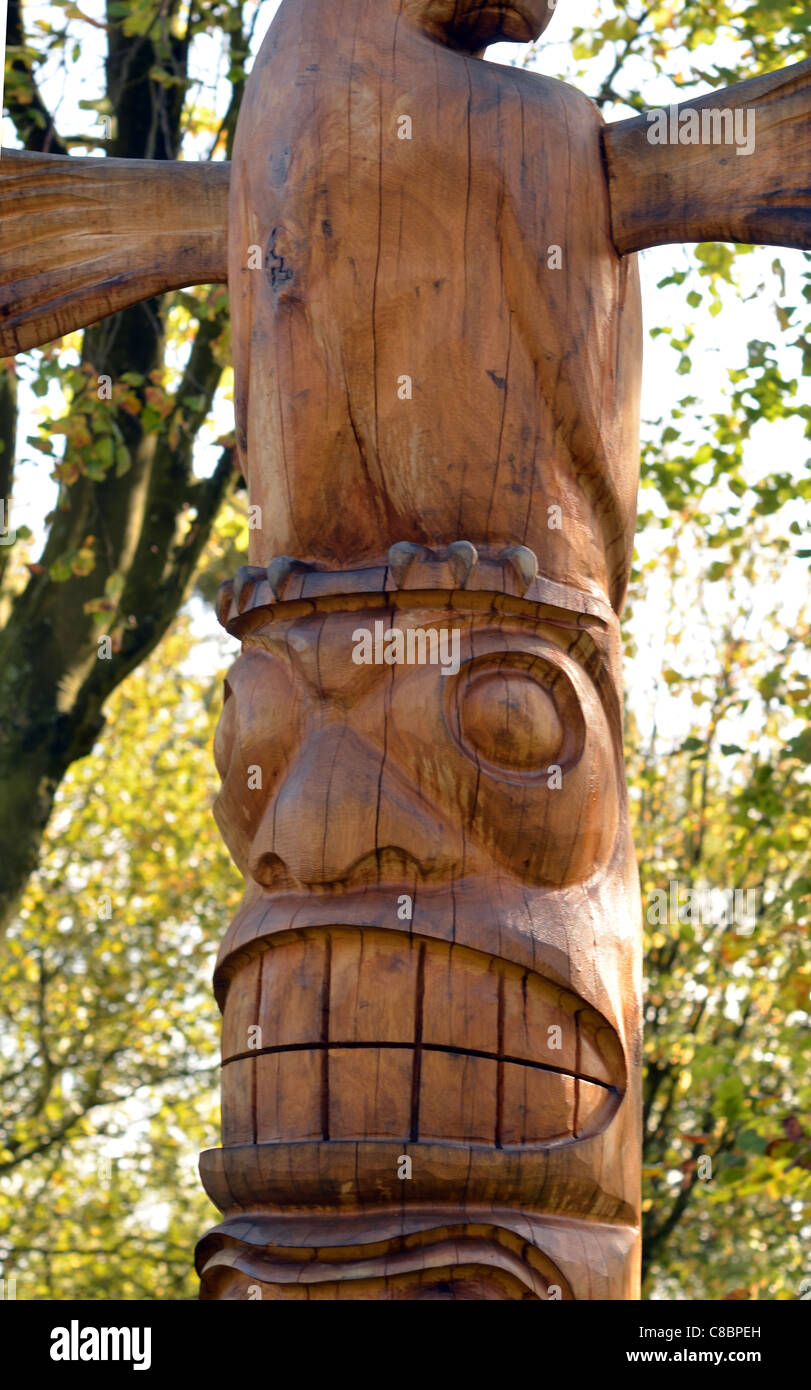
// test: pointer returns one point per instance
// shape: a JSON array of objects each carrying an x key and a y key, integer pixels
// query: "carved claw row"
[
  {"x": 462, "y": 557},
  {"x": 524, "y": 561},
  {"x": 279, "y": 571},
  {"x": 277, "y": 574},
  {"x": 248, "y": 576}
]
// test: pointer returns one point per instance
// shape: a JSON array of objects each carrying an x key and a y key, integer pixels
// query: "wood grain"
[
  {"x": 82, "y": 238},
  {"x": 708, "y": 192},
  {"x": 379, "y": 1034},
  {"x": 490, "y": 1035},
  {"x": 378, "y": 258}
]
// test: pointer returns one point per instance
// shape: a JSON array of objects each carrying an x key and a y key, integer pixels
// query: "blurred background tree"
[
  {"x": 109, "y": 1030},
  {"x": 130, "y": 515},
  {"x": 109, "y": 1038}
]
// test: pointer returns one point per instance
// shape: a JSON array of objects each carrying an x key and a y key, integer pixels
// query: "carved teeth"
[
  {"x": 279, "y": 571},
  {"x": 462, "y": 556},
  {"x": 401, "y": 557},
  {"x": 246, "y": 574},
  {"x": 524, "y": 563}
]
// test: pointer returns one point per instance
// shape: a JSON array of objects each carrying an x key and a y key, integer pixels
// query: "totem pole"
[{"x": 431, "y": 991}]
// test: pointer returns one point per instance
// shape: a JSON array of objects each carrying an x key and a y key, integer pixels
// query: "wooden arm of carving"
[
  {"x": 83, "y": 238},
  {"x": 708, "y": 192}
]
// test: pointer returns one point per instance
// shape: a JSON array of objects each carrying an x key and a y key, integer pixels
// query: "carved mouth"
[{"x": 348, "y": 1033}]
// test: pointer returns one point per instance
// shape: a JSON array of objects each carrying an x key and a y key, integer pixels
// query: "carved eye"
[
  {"x": 259, "y": 724},
  {"x": 517, "y": 714},
  {"x": 509, "y": 718}
]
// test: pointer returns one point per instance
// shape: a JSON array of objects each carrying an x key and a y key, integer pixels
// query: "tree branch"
[{"x": 32, "y": 119}]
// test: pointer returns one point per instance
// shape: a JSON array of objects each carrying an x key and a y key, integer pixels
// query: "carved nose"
[{"x": 346, "y": 814}]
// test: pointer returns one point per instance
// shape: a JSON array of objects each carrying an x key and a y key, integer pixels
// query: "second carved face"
[{"x": 346, "y": 764}]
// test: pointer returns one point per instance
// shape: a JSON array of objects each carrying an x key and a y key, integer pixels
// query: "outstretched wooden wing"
[
  {"x": 83, "y": 238},
  {"x": 708, "y": 192}
]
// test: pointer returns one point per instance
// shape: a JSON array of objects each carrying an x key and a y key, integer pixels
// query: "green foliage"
[
  {"x": 125, "y": 424},
  {"x": 728, "y": 1003},
  {"x": 672, "y": 38},
  {"x": 108, "y": 1066}
]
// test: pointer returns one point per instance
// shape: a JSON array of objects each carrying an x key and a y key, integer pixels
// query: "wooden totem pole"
[{"x": 431, "y": 992}]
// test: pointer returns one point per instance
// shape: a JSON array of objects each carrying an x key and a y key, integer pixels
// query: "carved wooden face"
[
  {"x": 435, "y": 950},
  {"x": 495, "y": 759},
  {"x": 472, "y": 24}
]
